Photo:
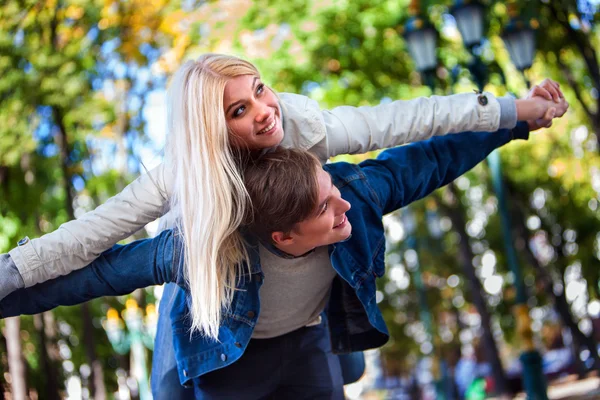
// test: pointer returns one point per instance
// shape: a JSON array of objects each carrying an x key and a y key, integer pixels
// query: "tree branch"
[{"x": 573, "y": 83}]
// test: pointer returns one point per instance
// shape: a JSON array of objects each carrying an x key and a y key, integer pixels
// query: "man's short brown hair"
[{"x": 283, "y": 189}]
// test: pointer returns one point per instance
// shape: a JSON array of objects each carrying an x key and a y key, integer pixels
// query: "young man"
[{"x": 300, "y": 209}]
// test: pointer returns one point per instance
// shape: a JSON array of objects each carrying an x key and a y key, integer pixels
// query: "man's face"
[{"x": 328, "y": 224}]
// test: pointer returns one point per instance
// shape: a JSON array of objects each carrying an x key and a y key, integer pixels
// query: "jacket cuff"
[
  {"x": 508, "y": 112},
  {"x": 10, "y": 278},
  {"x": 26, "y": 260},
  {"x": 521, "y": 131}
]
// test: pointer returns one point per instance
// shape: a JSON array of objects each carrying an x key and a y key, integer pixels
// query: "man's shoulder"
[
  {"x": 344, "y": 172},
  {"x": 352, "y": 181}
]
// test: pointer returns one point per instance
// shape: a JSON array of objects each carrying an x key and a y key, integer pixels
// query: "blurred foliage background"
[{"x": 82, "y": 113}]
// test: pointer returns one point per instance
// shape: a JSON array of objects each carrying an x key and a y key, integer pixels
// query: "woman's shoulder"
[{"x": 299, "y": 101}]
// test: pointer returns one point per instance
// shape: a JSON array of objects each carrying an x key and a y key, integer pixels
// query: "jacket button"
[
  {"x": 223, "y": 357},
  {"x": 251, "y": 314},
  {"x": 185, "y": 373},
  {"x": 23, "y": 241},
  {"x": 238, "y": 345},
  {"x": 483, "y": 100}
]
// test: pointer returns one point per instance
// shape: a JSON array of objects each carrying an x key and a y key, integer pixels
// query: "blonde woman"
[{"x": 219, "y": 112}]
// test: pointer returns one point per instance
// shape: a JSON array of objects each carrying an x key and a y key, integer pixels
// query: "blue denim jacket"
[{"x": 374, "y": 188}]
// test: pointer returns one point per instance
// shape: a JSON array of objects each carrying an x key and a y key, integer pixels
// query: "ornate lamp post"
[
  {"x": 519, "y": 39},
  {"x": 421, "y": 40},
  {"x": 520, "y": 42},
  {"x": 139, "y": 335}
]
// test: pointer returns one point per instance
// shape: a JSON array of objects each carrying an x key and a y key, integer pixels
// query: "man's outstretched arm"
[
  {"x": 118, "y": 271},
  {"x": 405, "y": 174}
]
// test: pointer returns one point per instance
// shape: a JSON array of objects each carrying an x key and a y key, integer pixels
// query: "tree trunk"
[
  {"x": 16, "y": 365},
  {"x": 583, "y": 43},
  {"x": 561, "y": 305},
  {"x": 97, "y": 387},
  {"x": 50, "y": 378},
  {"x": 466, "y": 256}
]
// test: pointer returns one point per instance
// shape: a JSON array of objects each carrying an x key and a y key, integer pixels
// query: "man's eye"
[{"x": 238, "y": 111}]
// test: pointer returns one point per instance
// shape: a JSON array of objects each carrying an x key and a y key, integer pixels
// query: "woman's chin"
[{"x": 277, "y": 136}]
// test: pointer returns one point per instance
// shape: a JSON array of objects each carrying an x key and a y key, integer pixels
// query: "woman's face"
[{"x": 252, "y": 113}]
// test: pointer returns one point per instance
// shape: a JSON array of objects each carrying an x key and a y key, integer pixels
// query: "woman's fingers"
[
  {"x": 553, "y": 88},
  {"x": 540, "y": 91}
]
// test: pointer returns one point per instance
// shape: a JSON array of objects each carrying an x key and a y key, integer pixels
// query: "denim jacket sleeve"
[
  {"x": 118, "y": 271},
  {"x": 408, "y": 173}
]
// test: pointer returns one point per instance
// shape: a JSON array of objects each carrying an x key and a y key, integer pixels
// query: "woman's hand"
[
  {"x": 549, "y": 90},
  {"x": 543, "y": 103}
]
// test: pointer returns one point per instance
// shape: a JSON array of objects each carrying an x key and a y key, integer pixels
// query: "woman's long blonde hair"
[{"x": 209, "y": 196}]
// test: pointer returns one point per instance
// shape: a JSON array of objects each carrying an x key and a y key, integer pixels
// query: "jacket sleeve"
[
  {"x": 408, "y": 173},
  {"x": 78, "y": 242},
  {"x": 118, "y": 271},
  {"x": 357, "y": 130}
]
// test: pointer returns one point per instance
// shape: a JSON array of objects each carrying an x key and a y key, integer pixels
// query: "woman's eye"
[
  {"x": 324, "y": 207},
  {"x": 260, "y": 88},
  {"x": 238, "y": 111}
]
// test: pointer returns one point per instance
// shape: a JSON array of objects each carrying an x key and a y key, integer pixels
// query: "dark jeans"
[
  {"x": 313, "y": 343},
  {"x": 297, "y": 365}
]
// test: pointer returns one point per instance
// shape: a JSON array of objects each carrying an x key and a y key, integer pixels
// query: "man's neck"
[{"x": 287, "y": 252}]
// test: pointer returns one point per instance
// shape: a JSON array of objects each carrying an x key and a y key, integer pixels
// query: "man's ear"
[{"x": 281, "y": 238}]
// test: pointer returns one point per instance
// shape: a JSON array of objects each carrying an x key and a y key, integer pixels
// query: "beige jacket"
[{"x": 326, "y": 133}]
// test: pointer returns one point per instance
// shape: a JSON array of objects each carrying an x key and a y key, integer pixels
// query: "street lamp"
[
  {"x": 421, "y": 38},
  {"x": 469, "y": 21},
  {"x": 519, "y": 39}
]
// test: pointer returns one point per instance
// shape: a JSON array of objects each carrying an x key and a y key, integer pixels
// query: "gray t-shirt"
[{"x": 294, "y": 291}]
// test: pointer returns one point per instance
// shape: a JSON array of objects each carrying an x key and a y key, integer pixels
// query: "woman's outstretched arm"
[
  {"x": 361, "y": 129},
  {"x": 118, "y": 271},
  {"x": 77, "y": 243}
]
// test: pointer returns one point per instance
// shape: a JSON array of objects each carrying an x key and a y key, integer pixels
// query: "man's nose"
[{"x": 343, "y": 206}]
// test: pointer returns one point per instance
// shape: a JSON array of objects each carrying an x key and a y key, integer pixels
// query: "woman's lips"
[{"x": 269, "y": 129}]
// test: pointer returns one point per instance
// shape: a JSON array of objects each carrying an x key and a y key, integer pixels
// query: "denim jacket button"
[
  {"x": 185, "y": 373},
  {"x": 251, "y": 314},
  {"x": 483, "y": 100},
  {"x": 23, "y": 241},
  {"x": 238, "y": 345},
  {"x": 223, "y": 357}
]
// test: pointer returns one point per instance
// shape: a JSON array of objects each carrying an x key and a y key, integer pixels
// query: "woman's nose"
[{"x": 262, "y": 111}]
